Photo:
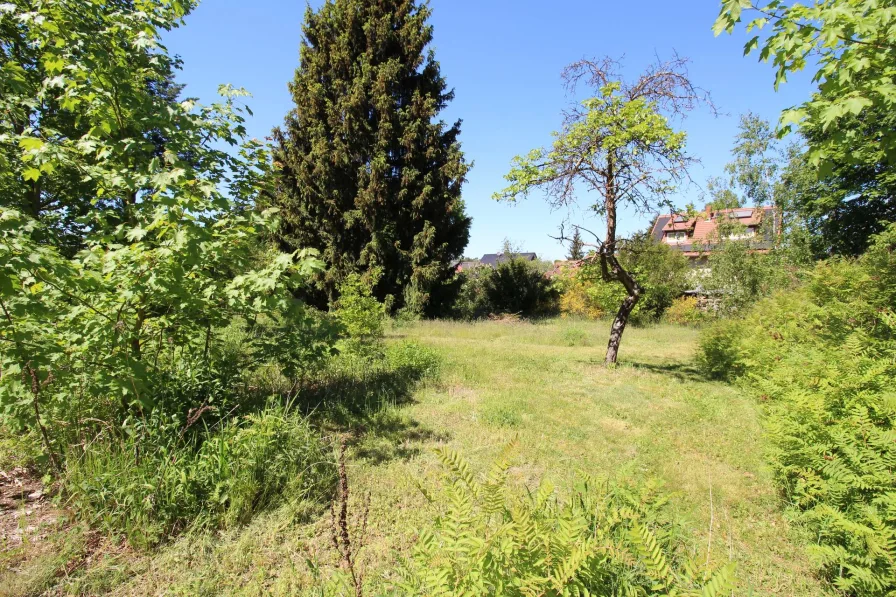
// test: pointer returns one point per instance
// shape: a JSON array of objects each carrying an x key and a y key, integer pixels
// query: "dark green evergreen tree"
[{"x": 368, "y": 175}]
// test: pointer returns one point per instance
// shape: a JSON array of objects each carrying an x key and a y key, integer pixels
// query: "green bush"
[
  {"x": 159, "y": 481},
  {"x": 660, "y": 270},
  {"x": 362, "y": 317},
  {"x": 739, "y": 275},
  {"x": 719, "y": 355},
  {"x": 685, "y": 311},
  {"x": 519, "y": 287},
  {"x": 823, "y": 359},
  {"x": 490, "y": 539},
  {"x": 515, "y": 286}
]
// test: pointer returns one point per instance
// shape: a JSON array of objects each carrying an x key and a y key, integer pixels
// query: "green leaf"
[{"x": 31, "y": 143}]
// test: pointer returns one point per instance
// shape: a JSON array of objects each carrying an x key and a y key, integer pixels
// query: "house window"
[
  {"x": 741, "y": 234},
  {"x": 677, "y": 236}
]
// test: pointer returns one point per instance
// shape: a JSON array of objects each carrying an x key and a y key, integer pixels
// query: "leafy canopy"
[
  {"x": 611, "y": 131},
  {"x": 849, "y": 45},
  {"x": 172, "y": 248}
]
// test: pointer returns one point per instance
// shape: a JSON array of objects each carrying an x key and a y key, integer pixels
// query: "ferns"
[
  {"x": 606, "y": 540},
  {"x": 824, "y": 359}
]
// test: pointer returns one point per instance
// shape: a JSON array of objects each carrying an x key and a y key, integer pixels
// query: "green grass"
[{"x": 543, "y": 383}]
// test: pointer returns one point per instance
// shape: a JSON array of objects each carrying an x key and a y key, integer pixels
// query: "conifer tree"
[
  {"x": 576, "y": 246},
  {"x": 368, "y": 175}
]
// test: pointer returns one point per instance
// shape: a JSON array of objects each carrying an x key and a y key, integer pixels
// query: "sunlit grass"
[{"x": 653, "y": 417}]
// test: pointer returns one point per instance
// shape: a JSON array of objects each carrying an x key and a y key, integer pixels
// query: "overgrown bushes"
[
  {"x": 685, "y": 310},
  {"x": 152, "y": 341},
  {"x": 514, "y": 286},
  {"x": 823, "y": 359},
  {"x": 660, "y": 270}
]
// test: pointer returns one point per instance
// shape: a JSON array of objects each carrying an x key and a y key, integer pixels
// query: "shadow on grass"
[
  {"x": 680, "y": 371},
  {"x": 360, "y": 402}
]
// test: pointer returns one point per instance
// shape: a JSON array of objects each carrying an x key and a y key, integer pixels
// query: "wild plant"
[
  {"x": 822, "y": 358},
  {"x": 492, "y": 539}
]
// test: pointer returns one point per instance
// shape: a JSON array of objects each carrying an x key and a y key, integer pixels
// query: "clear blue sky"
[{"x": 503, "y": 58}]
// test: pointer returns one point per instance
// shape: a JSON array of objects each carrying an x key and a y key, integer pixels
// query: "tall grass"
[{"x": 149, "y": 489}]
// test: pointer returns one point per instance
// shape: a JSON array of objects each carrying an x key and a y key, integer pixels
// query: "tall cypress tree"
[{"x": 368, "y": 175}]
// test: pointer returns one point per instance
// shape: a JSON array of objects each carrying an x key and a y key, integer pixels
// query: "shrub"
[
  {"x": 519, "y": 287},
  {"x": 605, "y": 540},
  {"x": 661, "y": 272},
  {"x": 739, "y": 276},
  {"x": 823, "y": 358},
  {"x": 363, "y": 318},
  {"x": 684, "y": 311},
  {"x": 514, "y": 286},
  {"x": 576, "y": 300},
  {"x": 718, "y": 355},
  {"x": 159, "y": 481}
]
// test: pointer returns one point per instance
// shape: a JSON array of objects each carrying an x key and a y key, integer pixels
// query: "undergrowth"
[
  {"x": 604, "y": 539},
  {"x": 151, "y": 489},
  {"x": 823, "y": 359}
]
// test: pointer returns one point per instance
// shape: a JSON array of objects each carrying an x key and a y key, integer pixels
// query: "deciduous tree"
[
  {"x": 847, "y": 122},
  {"x": 621, "y": 146}
]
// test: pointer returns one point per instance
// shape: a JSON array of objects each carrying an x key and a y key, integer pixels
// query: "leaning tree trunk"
[{"x": 614, "y": 270}]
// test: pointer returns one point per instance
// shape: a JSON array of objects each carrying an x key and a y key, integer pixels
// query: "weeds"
[
  {"x": 150, "y": 489},
  {"x": 340, "y": 532}
]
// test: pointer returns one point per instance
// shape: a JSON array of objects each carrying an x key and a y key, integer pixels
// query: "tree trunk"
[
  {"x": 612, "y": 270},
  {"x": 625, "y": 310}
]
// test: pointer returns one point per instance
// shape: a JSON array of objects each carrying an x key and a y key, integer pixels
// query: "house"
[
  {"x": 491, "y": 260},
  {"x": 698, "y": 236},
  {"x": 562, "y": 266}
]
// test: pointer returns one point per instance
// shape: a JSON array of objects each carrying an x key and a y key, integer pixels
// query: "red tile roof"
[{"x": 701, "y": 228}]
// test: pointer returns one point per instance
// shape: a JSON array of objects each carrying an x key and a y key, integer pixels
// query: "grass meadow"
[{"x": 543, "y": 383}]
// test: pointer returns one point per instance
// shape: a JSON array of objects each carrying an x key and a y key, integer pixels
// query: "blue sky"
[{"x": 503, "y": 58}]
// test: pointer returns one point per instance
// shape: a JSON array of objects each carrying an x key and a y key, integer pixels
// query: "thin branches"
[{"x": 667, "y": 83}]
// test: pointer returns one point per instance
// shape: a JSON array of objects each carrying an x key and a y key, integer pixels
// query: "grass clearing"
[{"x": 653, "y": 417}]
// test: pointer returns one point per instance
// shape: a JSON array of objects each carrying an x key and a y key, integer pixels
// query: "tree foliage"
[
  {"x": 170, "y": 254},
  {"x": 368, "y": 176},
  {"x": 853, "y": 199},
  {"x": 847, "y": 123},
  {"x": 849, "y": 44}
]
